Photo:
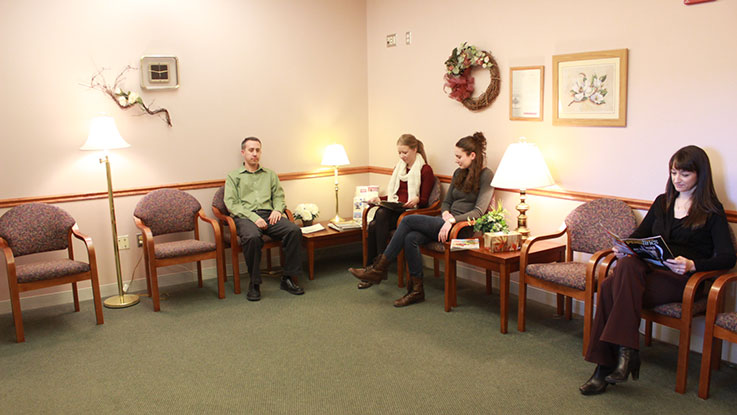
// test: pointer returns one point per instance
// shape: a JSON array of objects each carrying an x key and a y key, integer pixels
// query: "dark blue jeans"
[{"x": 413, "y": 231}]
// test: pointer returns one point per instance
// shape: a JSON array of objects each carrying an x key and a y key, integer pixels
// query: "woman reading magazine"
[{"x": 692, "y": 222}]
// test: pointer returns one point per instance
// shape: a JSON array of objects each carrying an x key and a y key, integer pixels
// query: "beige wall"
[{"x": 290, "y": 72}]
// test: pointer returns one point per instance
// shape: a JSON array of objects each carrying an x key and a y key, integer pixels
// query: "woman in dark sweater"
[
  {"x": 468, "y": 197},
  {"x": 691, "y": 220}
]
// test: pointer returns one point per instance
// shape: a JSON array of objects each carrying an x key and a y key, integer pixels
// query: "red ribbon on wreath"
[{"x": 461, "y": 87}]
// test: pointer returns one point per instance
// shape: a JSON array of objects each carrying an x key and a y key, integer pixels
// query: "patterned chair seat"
[
  {"x": 186, "y": 247},
  {"x": 46, "y": 270},
  {"x": 727, "y": 321},
  {"x": 674, "y": 309},
  {"x": 569, "y": 274}
]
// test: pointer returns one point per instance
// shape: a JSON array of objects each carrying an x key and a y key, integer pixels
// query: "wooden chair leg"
[
  {"x": 221, "y": 276},
  {"x": 97, "y": 298},
  {"x": 75, "y": 294},
  {"x": 268, "y": 259},
  {"x": 436, "y": 267},
  {"x": 155, "y": 290},
  {"x": 522, "y": 303},
  {"x": 648, "y": 332},
  {"x": 707, "y": 362},
  {"x": 224, "y": 257},
  {"x": 559, "y": 304},
  {"x": 236, "y": 269},
  {"x": 17, "y": 316},
  {"x": 199, "y": 274},
  {"x": 684, "y": 344},
  {"x": 588, "y": 320},
  {"x": 569, "y": 308}
]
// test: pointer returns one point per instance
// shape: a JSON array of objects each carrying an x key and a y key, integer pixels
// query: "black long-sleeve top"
[{"x": 710, "y": 247}]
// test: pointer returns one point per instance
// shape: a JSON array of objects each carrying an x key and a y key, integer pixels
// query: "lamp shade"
[
  {"x": 522, "y": 167},
  {"x": 104, "y": 135},
  {"x": 335, "y": 156}
]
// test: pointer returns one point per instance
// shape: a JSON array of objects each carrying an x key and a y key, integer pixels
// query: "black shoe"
[
  {"x": 362, "y": 285},
  {"x": 254, "y": 293},
  {"x": 596, "y": 383},
  {"x": 290, "y": 286},
  {"x": 628, "y": 362}
]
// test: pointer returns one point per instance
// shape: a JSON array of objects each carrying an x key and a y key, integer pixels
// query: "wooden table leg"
[
  {"x": 448, "y": 288},
  {"x": 311, "y": 259},
  {"x": 503, "y": 297}
]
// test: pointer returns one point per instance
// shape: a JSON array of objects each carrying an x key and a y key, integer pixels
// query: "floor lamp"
[
  {"x": 104, "y": 136},
  {"x": 522, "y": 167},
  {"x": 335, "y": 156}
]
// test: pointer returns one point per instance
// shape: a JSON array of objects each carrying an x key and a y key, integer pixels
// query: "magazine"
[
  {"x": 395, "y": 206},
  {"x": 344, "y": 226},
  {"x": 461, "y": 244},
  {"x": 653, "y": 249},
  {"x": 314, "y": 228}
]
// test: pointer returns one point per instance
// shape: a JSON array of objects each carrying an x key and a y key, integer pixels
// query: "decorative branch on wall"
[
  {"x": 458, "y": 76},
  {"x": 125, "y": 99}
]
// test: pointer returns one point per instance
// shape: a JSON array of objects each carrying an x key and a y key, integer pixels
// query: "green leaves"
[{"x": 492, "y": 221}]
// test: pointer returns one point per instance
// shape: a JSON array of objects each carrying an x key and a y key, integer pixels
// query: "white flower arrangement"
[{"x": 306, "y": 211}]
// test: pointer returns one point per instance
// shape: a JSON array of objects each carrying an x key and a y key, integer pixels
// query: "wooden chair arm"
[
  {"x": 689, "y": 293},
  {"x": 215, "y": 226},
  {"x": 528, "y": 244},
  {"x": 364, "y": 217},
  {"x": 289, "y": 214},
  {"x": 87, "y": 242},
  {"x": 148, "y": 236},
  {"x": 595, "y": 260},
  {"x": 457, "y": 228},
  {"x": 9, "y": 258},
  {"x": 716, "y": 297}
]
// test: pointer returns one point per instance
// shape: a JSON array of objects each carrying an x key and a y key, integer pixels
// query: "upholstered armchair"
[
  {"x": 169, "y": 211},
  {"x": 585, "y": 232},
  {"x": 230, "y": 237},
  {"x": 433, "y": 208},
  {"x": 720, "y": 325},
  {"x": 34, "y": 228}
]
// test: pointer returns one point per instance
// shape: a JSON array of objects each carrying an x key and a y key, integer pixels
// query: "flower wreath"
[{"x": 458, "y": 76}]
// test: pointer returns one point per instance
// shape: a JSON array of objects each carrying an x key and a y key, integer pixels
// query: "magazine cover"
[{"x": 653, "y": 249}]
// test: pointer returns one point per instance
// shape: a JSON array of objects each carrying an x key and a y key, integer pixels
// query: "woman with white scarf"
[{"x": 410, "y": 184}]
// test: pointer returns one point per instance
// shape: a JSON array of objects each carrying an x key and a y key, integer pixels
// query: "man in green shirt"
[{"x": 255, "y": 199}]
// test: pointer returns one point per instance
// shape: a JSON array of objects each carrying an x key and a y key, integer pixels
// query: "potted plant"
[
  {"x": 497, "y": 236},
  {"x": 307, "y": 212}
]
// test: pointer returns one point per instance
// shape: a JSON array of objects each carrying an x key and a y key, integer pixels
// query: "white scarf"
[{"x": 412, "y": 177}]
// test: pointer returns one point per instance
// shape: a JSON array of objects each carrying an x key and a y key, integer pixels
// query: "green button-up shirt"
[{"x": 246, "y": 192}]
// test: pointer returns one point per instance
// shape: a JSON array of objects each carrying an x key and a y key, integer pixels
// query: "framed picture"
[
  {"x": 590, "y": 89},
  {"x": 159, "y": 72},
  {"x": 526, "y": 93}
]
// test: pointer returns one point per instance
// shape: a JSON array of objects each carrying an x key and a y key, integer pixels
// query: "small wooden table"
[
  {"x": 502, "y": 262},
  {"x": 324, "y": 238}
]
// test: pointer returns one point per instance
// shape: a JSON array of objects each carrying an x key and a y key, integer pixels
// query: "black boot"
[
  {"x": 628, "y": 362},
  {"x": 254, "y": 293},
  {"x": 374, "y": 273},
  {"x": 288, "y": 285},
  {"x": 415, "y": 294},
  {"x": 596, "y": 383}
]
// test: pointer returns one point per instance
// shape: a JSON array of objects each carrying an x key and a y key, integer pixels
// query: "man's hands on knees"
[
  {"x": 273, "y": 217},
  {"x": 261, "y": 223}
]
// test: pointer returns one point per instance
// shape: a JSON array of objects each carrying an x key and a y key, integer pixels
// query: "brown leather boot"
[
  {"x": 416, "y": 295},
  {"x": 374, "y": 273}
]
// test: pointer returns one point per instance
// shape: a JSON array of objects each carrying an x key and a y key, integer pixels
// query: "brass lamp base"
[
  {"x": 121, "y": 301},
  {"x": 338, "y": 219}
]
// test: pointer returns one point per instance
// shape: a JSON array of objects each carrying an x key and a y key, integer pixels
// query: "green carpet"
[{"x": 334, "y": 350}]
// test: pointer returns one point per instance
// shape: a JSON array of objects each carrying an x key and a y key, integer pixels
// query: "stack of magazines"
[{"x": 344, "y": 226}]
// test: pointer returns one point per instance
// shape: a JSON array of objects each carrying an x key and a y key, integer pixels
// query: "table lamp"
[
  {"x": 522, "y": 167},
  {"x": 335, "y": 156},
  {"x": 104, "y": 136}
]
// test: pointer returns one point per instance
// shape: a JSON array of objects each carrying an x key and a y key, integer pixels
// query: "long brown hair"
[
  {"x": 410, "y": 141},
  {"x": 468, "y": 179},
  {"x": 704, "y": 200}
]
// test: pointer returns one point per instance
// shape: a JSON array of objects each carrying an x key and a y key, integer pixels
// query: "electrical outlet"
[
  {"x": 123, "y": 242},
  {"x": 391, "y": 40},
  {"x": 408, "y": 38},
  {"x": 139, "y": 239}
]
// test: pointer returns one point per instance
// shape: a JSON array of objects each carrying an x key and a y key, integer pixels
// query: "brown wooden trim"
[{"x": 324, "y": 172}]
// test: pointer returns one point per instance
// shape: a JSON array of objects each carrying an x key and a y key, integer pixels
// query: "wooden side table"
[
  {"x": 324, "y": 238},
  {"x": 504, "y": 263}
]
